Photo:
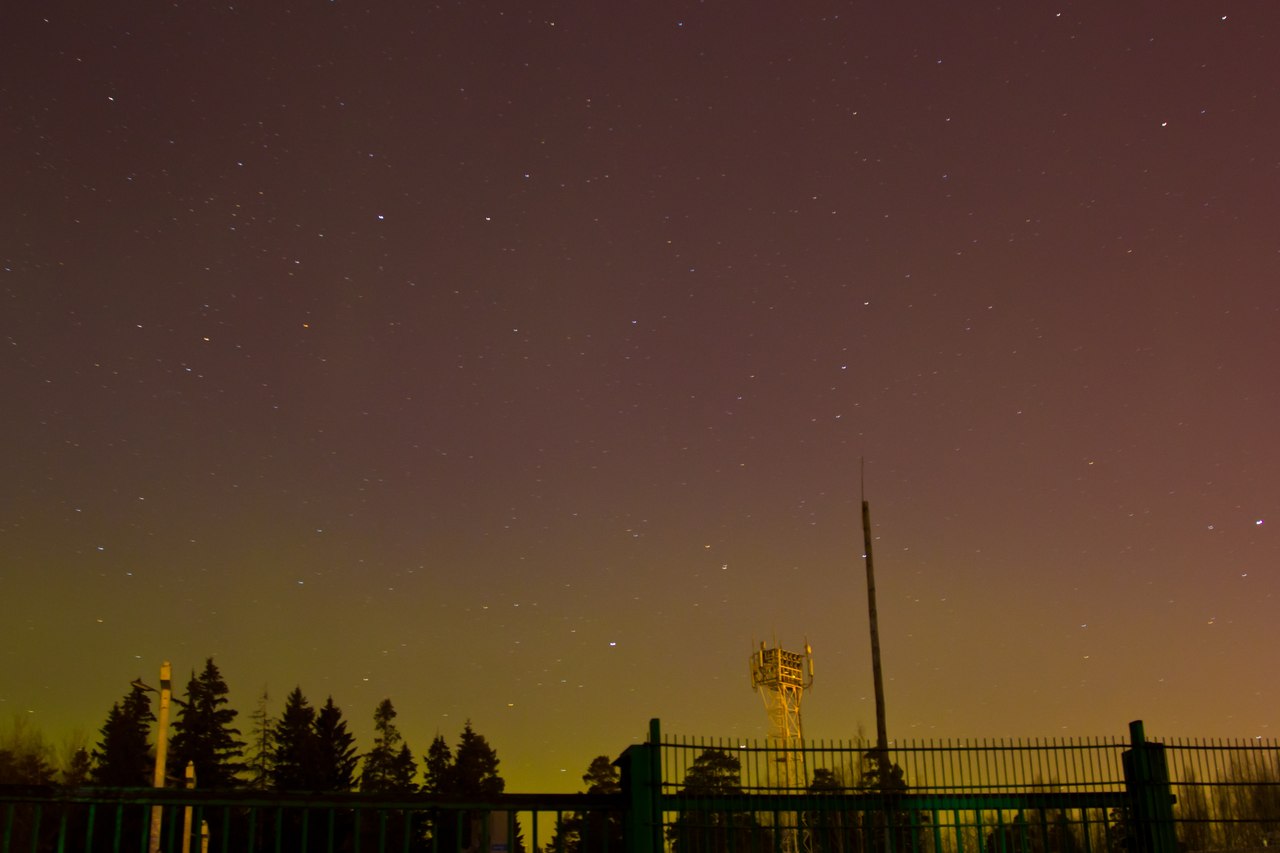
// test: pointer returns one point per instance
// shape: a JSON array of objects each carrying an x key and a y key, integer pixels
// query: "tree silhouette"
[
  {"x": 470, "y": 771},
  {"x": 24, "y": 761},
  {"x": 713, "y": 772},
  {"x": 121, "y": 758},
  {"x": 24, "y": 768},
  {"x": 593, "y": 831},
  {"x": 827, "y": 827},
  {"x": 203, "y": 732},
  {"x": 602, "y": 776},
  {"x": 475, "y": 767},
  {"x": 388, "y": 767},
  {"x": 437, "y": 764},
  {"x": 313, "y": 751},
  {"x": 293, "y": 745},
  {"x": 335, "y": 753},
  {"x": 715, "y": 827},
  {"x": 258, "y": 755},
  {"x": 79, "y": 766}
]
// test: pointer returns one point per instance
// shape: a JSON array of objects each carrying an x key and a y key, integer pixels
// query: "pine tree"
[
  {"x": 79, "y": 766},
  {"x": 336, "y": 755},
  {"x": 589, "y": 832},
  {"x": 475, "y": 766},
  {"x": 714, "y": 773},
  {"x": 469, "y": 771},
  {"x": 388, "y": 767},
  {"x": 437, "y": 765},
  {"x": 602, "y": 776},
  {"x": 293, "y": 745},
  {"x": 203, "y": 732},
  {"x": 121, "y": 759},
  {"x": 258, "y": 755}
]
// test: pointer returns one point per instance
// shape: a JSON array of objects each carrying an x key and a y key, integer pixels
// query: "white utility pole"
[{"x": 162, "y": 751}]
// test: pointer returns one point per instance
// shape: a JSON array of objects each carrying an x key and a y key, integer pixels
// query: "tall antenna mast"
[{"x": 877, "y": 673}]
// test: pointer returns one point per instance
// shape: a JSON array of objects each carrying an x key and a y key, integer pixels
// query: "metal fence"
[
  {"x": 929, "y": 766},
  {"x": 1080, "y": 795},
  {"x": 701, "y": 795},
  {"x": 998, "y": 796},
  {"x": 1228, "y": 793},
  {"x": 52, "y": 820}
]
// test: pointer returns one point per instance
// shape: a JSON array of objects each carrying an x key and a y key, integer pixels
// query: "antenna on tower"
[{"x": 781, "y": 677}]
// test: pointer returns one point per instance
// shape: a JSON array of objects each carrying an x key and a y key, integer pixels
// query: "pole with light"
[{"x": 162, "y": 745}]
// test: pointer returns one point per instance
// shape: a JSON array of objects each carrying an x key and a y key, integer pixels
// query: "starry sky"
[{"x": 514, "y": 360}]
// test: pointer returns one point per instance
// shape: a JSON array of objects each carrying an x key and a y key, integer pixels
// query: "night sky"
[{"x": 515, "y": 360}]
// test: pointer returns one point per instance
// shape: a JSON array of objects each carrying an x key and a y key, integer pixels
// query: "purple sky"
[{"x": 515, "y": 360}]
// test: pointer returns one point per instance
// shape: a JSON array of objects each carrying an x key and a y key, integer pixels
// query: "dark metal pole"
[{"x": 877, "y": 673}]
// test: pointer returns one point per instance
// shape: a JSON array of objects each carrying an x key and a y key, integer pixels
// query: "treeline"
[{"x": 305, "y": 748}]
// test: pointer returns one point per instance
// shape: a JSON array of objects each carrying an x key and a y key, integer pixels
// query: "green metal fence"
[
  {"x": 944, "y": 796},
  {"x": 1228, "y": 793},
  {"x": 1039, "y": 796},
  {"x": 700, "y": 795},
  {"x": 39, "y": 819}
]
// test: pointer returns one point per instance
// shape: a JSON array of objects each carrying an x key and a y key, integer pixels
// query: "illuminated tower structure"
[{"x": 781, "y": 678}]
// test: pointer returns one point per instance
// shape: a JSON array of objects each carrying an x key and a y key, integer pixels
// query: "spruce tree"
[
  {"x": 475, "y": 766},
  {"x": 203, "y": 732},
  {"x": 293, "y": 745},
  {"x": 437, "y": 765},
  {"x": 469, "y": 771},
  {"x": 335, "y": 753},
  {"x": 121, "y": 759}
]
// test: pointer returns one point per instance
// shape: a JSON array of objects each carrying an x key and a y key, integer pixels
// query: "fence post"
[
  {"x": 1146, "y": 777},
  {"x": 641, "y": 772}
]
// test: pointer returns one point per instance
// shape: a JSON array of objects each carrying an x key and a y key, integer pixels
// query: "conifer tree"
[
  {"x": 475, "y": 766},
  {"x": 204, "y": 734},
  {"x": 437, "y": 764},
  {"x": 293, "y": 745},
  {"x": 24, "y": 768},
  {"x": 24, "y": 755},
  {"x": 121, "y": 759},
  {"x": 592, "y": 832},
  {"x": 258, "y": 753},
  {"x": 336, "y": 755},
  {"x": 76, "y": 773},
  {"x": 388, "y": 767},
  {"x": 470, "y": 770},
  {"x": 715, "y": 773}
]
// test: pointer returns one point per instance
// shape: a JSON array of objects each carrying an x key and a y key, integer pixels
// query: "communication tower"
[{"x": 781, "y": 678}]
